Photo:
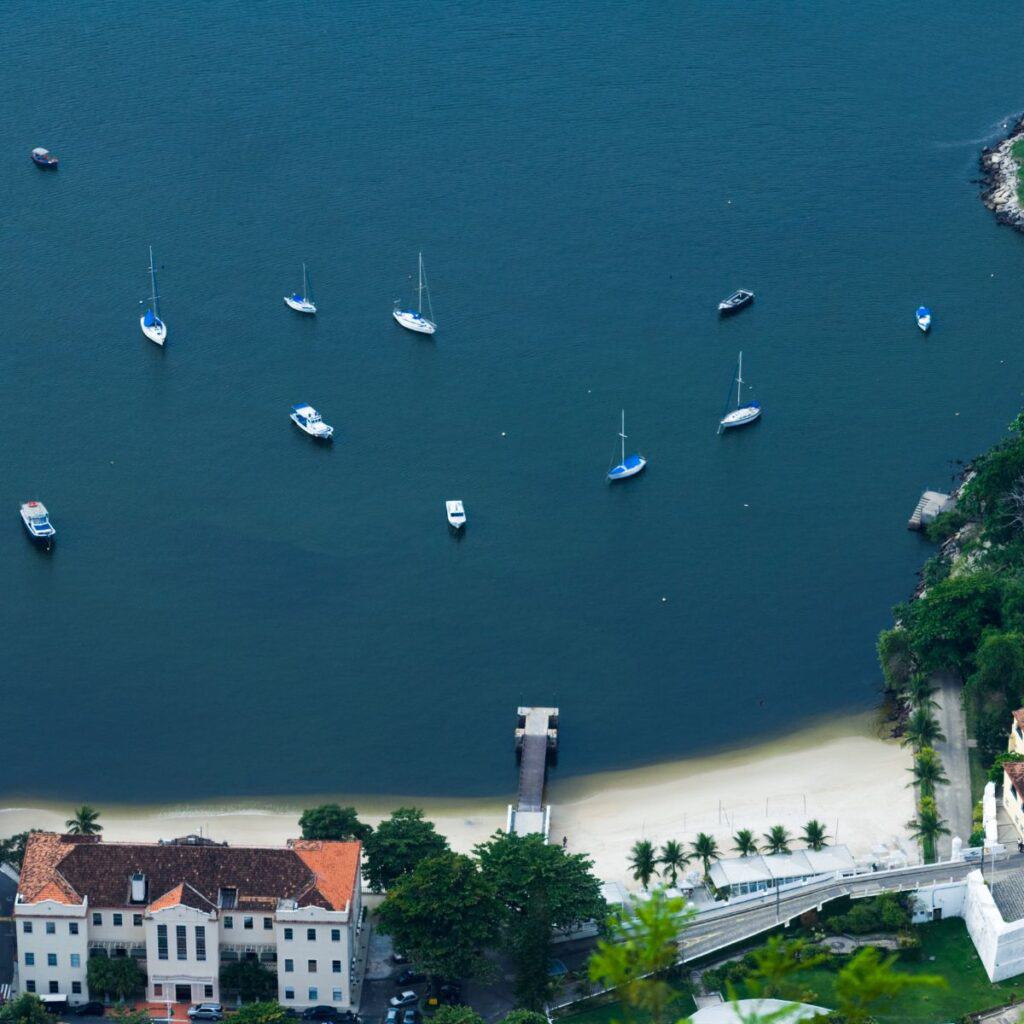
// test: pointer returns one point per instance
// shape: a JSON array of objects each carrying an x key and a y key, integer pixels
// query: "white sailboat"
[
  {"x": 302, "y": 303},
  {"x": 413, "y": 319},
  {"x": 152, "y": 326},
  {"x": 628, "y": 466},
  {"x": 742, "y": 414}
]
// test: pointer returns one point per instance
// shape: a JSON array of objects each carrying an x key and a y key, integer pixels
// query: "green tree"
[
  {"x": 524, "y": 1017},
  {"x": 398, "y": 845},
  {"x": 922, "y": 729},
  {"x": 775, "y": 965},
  {"x": 744, "y": 843},
  {"x": 1000, "y": 666},
  {"x": 249, "y": 980},
  {"x": 928, "y": 771},
  {"x": 639, "y": 949},
  {"x": 267, "y": 1012},
  {"x": 457, "y": 1015},
  {"x": 814, "y": 835},
  {"x": 543, "y": 889},
  {"x": 25, "y": 1009},
  {"x": 673, "y": 858},
  {"x": 85, "y": 822},
  {"x": 995, "y": 773},
  {"x": 329, "y": 821},
  {"x": 12, "y": 850},
  {"x": 868, "y": 980},
  {"x": 896, "y": 657},
  {"x": 928, "y": 826},
  {"x": 777, "y": 840},
  {"x": 643, "y": 862},
  {"x": 117, "y": 977},
  {"x": 920, "y": 692},
  {"x": 705, "y": 849},
  {"x": 126, "y": 1014},
  {"x": 443, "y": 915}
]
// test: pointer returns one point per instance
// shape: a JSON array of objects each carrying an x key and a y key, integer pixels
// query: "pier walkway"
[{"x": 536, "y": 743}]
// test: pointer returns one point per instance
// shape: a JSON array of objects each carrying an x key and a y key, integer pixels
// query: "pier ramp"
[{"x": 536, "y": 744}]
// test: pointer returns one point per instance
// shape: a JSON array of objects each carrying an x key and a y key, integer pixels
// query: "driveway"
[{"x": 954, "y": 800}]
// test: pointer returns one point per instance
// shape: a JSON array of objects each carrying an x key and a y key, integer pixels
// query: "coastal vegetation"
[
  {"x": 331, "y": 821},
  {"x": 398, "y": 845},
  {"x": 85, "y": 822}
]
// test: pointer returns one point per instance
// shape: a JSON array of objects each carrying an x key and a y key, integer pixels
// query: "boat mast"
[
  {"x": 739, "y": 380},
  {"x": 419, "y": 293},
  {"x": 622, "y": 434},
  {"x": 305, "y": 284},
  {"x": 152, "y": 279}
]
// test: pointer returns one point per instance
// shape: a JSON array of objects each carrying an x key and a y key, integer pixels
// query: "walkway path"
[{"x": 954, "y": 800}]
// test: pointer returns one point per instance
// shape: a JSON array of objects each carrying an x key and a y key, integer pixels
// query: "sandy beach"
[{"x": 840, "y": 773}]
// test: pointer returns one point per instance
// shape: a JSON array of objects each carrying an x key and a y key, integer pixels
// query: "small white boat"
[
  {"x": 306, "y": 418},
  {"x": 37, "y": 521},
  {"x": 924, "y": 318},
  {"x": 152, "y": 326},
  {"x": 413, "y": 319},
  {"x": 302, "y": 303},
  {"x": 629, "y": 466},
  {"x": 456, "y": 514},
  {"x": 742, "y": 414},
  {"x": 738, "y": 300}
]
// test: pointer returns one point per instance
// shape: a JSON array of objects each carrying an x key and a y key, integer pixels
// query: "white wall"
[
  {"x": 322, "y": 949},
  {"x": 999, "y": 944},
  {"x": 947, "y": 897},
  {"x": 177, "y": 971},
  {"x": 62, "y": 944}
]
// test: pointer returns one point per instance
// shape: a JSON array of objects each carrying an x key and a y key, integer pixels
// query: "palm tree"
[
  {"x": 777, "y": 839},
  {"x": 673, "y": 859},
  {"x": 928, "y": 771},
  {"x": 643, "y": 862},
  {"x": 814, "y": 835},
  {"x": 746, "y": 845},
  {"x": 922, "y": 729},
  {"x": 928, "y": 826},
  {"x": 706, "y": 849},
  {"x": 85, "y": 822},
  {"x": 919, "y": 692}
]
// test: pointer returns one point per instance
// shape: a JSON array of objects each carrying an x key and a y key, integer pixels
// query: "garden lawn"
[{"x": 605, "y": 1013}]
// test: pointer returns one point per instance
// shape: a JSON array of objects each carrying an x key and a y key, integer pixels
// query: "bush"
[
  {"x": 884, "y": 913},
  {"x": 977, "y": 837},
  {"x": 943, "y": 526},
  {"x": 995, "y": 774},
  {"x": 935, "y": 570}
]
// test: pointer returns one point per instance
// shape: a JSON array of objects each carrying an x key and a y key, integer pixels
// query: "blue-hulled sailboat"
[
  {"x": 629, "y": 466},
  {"x": 152, "y": 326}
]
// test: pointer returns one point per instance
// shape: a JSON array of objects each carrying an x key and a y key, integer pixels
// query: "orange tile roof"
[
  {"x": 336, "y": 866},
  {"x": 40, "y": 879},
  {"x": 169, "y": 899}
]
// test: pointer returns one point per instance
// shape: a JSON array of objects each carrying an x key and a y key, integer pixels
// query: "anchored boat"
[
  {"x": 302, "y": 303},
  {"x": 924, "y": 318},
  {"x": 742, "y": 414},
  {"x": 739, "y": 298},
  {"x": 43, "y": 158},
  {"x": 456, "y": 514},
  {"x": 306, "y": 418},
  {"x": 413, "y": 319},
  {"x": 628, "y": 466},
  {"x": 37, "y": 522},
  {"x": 152, "y": 326}
]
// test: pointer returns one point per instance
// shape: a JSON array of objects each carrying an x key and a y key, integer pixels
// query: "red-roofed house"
[
  {"x": 183, "y": 910},
  {"x": 1017, "y": 732}
]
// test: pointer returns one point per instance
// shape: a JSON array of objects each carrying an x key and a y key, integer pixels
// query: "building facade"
[{"x": 183, "y": 910}]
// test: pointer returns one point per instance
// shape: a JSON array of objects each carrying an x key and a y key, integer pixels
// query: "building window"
[
  {"x": 161, "y": 941},
  {"x": 181, "y": 931},
  {"x": 311, "y": 934},
  {"x": 51, "y": 959},
  {"x": 72, "y": 927},
  {"x": 311, "y": 966},
  {"x": 207, "y": 991},
  {"x": 118, "y": 920},
  {"x": 30, "y": 959},
  {"x": 76, "y": 988},
  {"x": 313, "y": 995},
  {"x": 228, "y": 898},
  {"x": 137, "y": 920},
  {"x": 289, "y": 993},
  {"x": 76, "y": 960},
  {"x": 335, "y": 935},
  {"x": 336, "y": 995},
  {"x": 51, "y": 927},
  {"x": 289, "y": 966},
  {"x": 30, "y": 986},
  {"x": 54, "y": 987},
  {"x": 287, "y": 934},
  {"x": 247, "y": 923},
  {"x": 229, "y": 922},
  {"x": 158, "y": 990},
  {"x": 97, "y": 917},
  {"x": 268, "y": 922},
  {"x": 336, "y": 966},
  {"x": 26, "y": 927},
  {"x": 200, "y": 942}
]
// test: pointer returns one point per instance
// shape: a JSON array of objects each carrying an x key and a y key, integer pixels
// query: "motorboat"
[
  {"x": 413, "y": 319},
  {"x": 628, "y": 465},
  {"x": 456, "y": 514},
  {"x": 152, "y": 326},
  {"x": 43, "y": 158},
  {"x": 37, "y": 521},
  {"x": 739, "y": 298},
  {"x": 924, "y": 318},
  {"x": 742, "y": 414},
  {"x": 302, "y": 303},
  {"x": 306, "y": 418}
]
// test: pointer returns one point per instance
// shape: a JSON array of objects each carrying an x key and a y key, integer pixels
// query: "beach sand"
[{"x": 840, "y": 773}]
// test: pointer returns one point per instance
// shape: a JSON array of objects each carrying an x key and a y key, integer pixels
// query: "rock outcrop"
[{"x": 1000, "y": 178}]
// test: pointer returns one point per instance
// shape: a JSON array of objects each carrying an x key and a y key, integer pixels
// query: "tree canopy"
[
  {"x": 85, "y": 822},
  {"x": 12, "y": 850},
  {"x": 25, "y": 1009},
  {"x": 249, "y": 980},
  {"x": 398, "y": 845},
  {"x": 120, "y": 977},
  {"x": 331, "y": 821},
  {"x": 458, "y": 1015},
  {"x": 267, "y": 1012}
]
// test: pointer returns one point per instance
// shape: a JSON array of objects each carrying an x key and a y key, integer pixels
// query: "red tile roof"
[
  {"x": 313, "y": 873},
  {"x": 1015, "y": 773}
]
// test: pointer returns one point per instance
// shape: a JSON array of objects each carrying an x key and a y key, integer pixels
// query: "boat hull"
[
  {"x": 727, "y": 307},
  {"x": 299, "y": 307},
  {"x": 924, "y": 323},
  {"x": 625, "y": 470},
  {"x": 414, "y": 322},
  {"x": 157, "y": 333},
  {"x": 50, "y": 164},
  {"x": 320, "y": 435},
  {"x": 741, "y": 417}
]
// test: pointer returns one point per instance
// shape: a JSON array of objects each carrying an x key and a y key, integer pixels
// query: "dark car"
[
  {"x": 450, "y": 992},
  {"x": 88, "y": 1010},
  {"x": 412, "y": 1016},
  {"x": 410, "y": 977}
]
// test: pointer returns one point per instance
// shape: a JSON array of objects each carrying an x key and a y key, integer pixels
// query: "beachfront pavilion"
[{"x": 738, "y": 876}]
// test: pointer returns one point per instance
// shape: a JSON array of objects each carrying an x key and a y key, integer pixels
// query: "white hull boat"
[
  {"x": 629, "y": 465},
  {"x": 456, "y": 514},
  {"x": 155, "y": 331},
  {"x": 413, "y": 319},
  {"x": 152, "y": 326},
  {"x": 742, "y": 414},
  {"x": 37, "y": 521},
  {"x": 924, "y": 318},
  {"x": 308, "y": 420},
  {"x": 302, "y": 303}
]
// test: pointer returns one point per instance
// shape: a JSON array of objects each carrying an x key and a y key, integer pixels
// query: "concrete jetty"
[
  {"x": 536, "y": 743},
  {"x": 931, "y": 505}
]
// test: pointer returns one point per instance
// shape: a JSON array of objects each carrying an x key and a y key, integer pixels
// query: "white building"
[
  {"x": 737, "y": 876},
  {"x": 183, "y": 910}
]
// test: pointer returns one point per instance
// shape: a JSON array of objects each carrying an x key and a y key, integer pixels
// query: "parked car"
[
  {"x": 393, "y": 1016},
  {"x": 329, "y": 1013},
  {"x": 451, "y": 993},
  {"x": 408, "y": 998},
  {"x": 399, "y": 958},
  {"x": 206, "y": 1011},
  {"x": 412, "y": 1016},
  {"x": 88, "y": 1010},
  {"x": 410, "y": 977}
]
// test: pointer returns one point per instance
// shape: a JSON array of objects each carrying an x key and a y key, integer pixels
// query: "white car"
[
  {"x": 206, "y": 1011},
  {"x": 407, "y": 998}
]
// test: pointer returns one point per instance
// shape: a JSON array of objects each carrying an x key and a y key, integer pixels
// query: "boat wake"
[{"x": 996, "y": 130}]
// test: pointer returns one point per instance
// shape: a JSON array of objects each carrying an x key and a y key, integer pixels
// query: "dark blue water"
[{"x": 232, "y": 610}]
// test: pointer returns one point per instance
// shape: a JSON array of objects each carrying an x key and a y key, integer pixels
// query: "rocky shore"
[{"x": 1000, "y": 178}]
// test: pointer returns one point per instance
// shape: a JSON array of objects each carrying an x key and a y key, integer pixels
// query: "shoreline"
[
  {"x": 1001, "y": 181},
  {"x": 838, "y": 771}
]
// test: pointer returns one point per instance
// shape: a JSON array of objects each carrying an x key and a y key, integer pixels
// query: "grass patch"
[{"x": 607, "y": 1012}]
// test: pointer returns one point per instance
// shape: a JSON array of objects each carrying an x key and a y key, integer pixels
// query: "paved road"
[{"x": 954, "y": 800}]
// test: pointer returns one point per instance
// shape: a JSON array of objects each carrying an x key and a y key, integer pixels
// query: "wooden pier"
[{"x": 536, "y": 744}]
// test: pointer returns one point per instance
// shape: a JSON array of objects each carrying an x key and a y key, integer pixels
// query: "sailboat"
[
  {"x": 302, "y": 303},
  {"x": 152, "y": 326},
  {"x": 742, "y": 414},
  {"x": 628, "y": 466},
  {"x": 414, "y": 320}
]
